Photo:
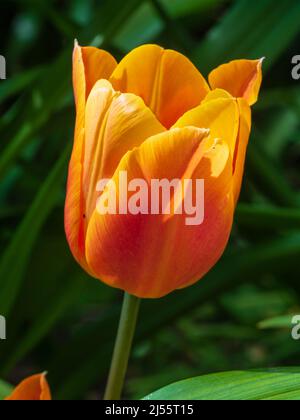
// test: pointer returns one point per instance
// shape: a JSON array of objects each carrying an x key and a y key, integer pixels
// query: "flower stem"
[{"x": 122, "y": 348}]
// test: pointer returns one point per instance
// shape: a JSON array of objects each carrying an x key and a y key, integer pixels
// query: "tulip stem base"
[{"x": 122, "y": 348}]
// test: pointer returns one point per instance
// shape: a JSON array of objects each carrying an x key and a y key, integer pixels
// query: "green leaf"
[
  {"x": 5, "y": 389},
  {"x": 15, "y": 257},
  {"x": 234, "y": 386}
]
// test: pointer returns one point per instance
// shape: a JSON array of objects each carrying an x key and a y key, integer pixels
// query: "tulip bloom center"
[{"x": 154, "y": 197}]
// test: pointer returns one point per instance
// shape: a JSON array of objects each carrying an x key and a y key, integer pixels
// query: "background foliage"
[{"x": 63, "y": 322}]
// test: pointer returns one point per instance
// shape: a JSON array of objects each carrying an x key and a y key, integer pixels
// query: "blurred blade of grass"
[
  {"x": 145, "y": 24},
  {"x": 15, "y": 257},
  {"x": 45, "y": 98},
  {"x": 268, "y": 177},
  {"x": 60, "y": 21},
  {"x": 281, "y": 129},
  {"x": 250, "y": 30},
  {"x": 135, "y": 32},
  {"x": 268, "y": 217},
  {"x": 277, "y": 323},
  {"x": 179, "y": 8},
  {"x": 18, "y": 83},
  {"x": 90, "y": 350},
  {"x": 11, "y": 115},
  {"x": 55, "y": 82},
  {"x": 45, "y": 321},
  {"x": 284, "y": 97},
  {"x": 182, "y": 37}
]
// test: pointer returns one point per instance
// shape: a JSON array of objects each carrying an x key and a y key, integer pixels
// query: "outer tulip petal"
[
  {"x": 74, "y": 208},
  {"x": 151, "y": 255},
  {"x": 35, "y": 388},
  {"x": 89, "y": 65},
  {"x": 241, "y": 78},
  {"x": 167, "y": 81},
  {"x": 221, "y": 116},
  {"x": 241, "y": 148},
  {"x": 115, "y": 123}
]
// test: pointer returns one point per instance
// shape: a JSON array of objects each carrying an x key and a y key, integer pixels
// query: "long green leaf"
[{"x": 235, "y": 386}]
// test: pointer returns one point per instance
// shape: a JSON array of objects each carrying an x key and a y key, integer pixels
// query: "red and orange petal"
[
  {"x": 89, "y": 65},
  {"x": 149, "y": 256},
  {"x": 34, "y": 388},
  {"x": 166, "y": 80},
  {"x": 241, "y": 78}
]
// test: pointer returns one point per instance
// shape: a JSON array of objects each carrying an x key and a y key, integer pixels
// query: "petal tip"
[{"x": 261, "y": 61}]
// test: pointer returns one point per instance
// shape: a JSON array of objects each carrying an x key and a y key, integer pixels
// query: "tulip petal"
[
  {"x": 35, "y": 388},
  {"x": 228, "y": 119},
  {"x": 74, "y": 208},
  {"x": 115, "y": 123},
  {"x": 167, "y": 81},
  {"x": 151, "y": 255},
  {"x": 89, "y": 65},
  {"x": 221, "y": 116},
  {"x": 217, "y": 94},
  {"x": 241, "y": 78}
]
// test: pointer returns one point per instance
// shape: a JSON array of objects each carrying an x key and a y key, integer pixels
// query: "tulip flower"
[
  {"x": 154, "y": 116},
  {"x": 34, "y": 388}
]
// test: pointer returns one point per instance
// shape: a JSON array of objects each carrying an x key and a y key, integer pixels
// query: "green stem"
[{"x": 122, "y": 348}]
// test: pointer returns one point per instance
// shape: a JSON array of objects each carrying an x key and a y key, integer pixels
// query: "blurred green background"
[{"x": 60, "y": 320}]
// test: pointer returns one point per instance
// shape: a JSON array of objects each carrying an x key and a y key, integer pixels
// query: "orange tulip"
[
  {"x": 154, "y": 116},
  {"x": 34, "y": 388}
]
